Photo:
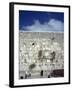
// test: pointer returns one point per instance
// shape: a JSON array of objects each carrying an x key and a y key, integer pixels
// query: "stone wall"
[{"x": 44, "y": 49}]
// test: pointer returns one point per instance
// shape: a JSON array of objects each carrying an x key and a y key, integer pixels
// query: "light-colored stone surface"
[{"x": 47, "y": 43}]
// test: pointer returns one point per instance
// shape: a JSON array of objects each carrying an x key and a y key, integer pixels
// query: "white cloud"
[{"x": 52, "y": 25}]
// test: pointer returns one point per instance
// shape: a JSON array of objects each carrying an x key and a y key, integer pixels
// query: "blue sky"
[{"x": 41, "y": 21}]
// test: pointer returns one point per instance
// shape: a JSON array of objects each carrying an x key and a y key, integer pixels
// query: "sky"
[{"x": 41, "y": 21}]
